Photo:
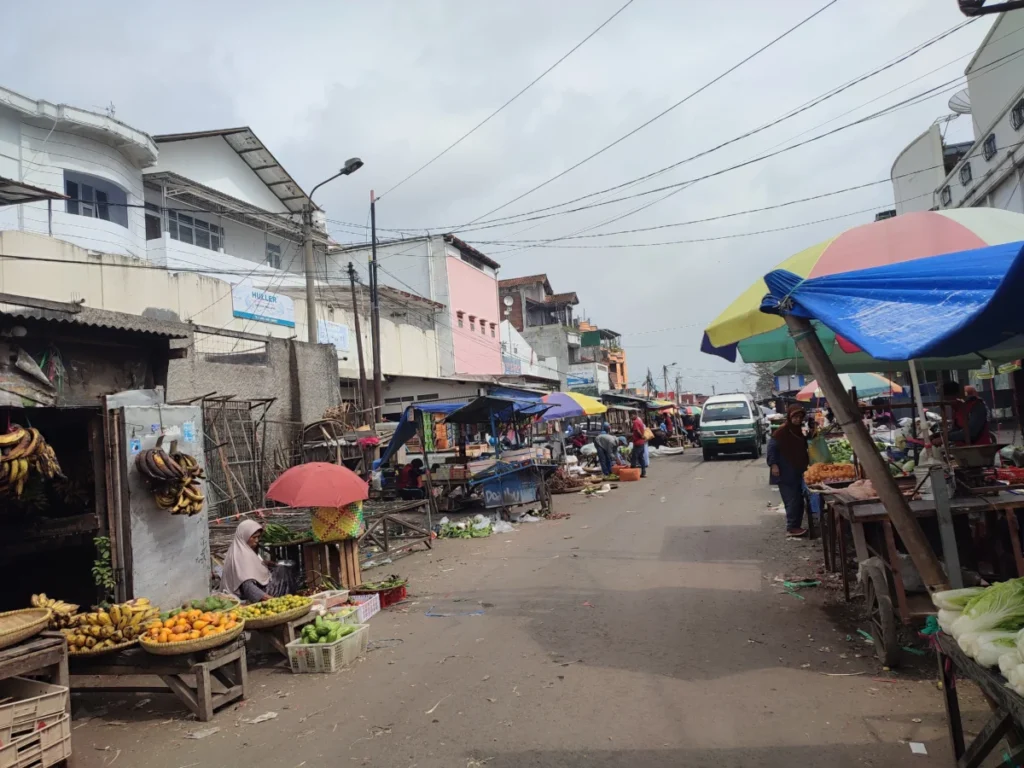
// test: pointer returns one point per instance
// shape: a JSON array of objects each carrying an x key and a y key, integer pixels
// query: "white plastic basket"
[
  {"x": 30, "y": 703},
  {"x": 369, "y": 606},
  {"x": 330, "y": 598},
  {"x": 47, "y": 746},
  {"x": 350, "y": 618},
  {"x": 326, "y": 657}
]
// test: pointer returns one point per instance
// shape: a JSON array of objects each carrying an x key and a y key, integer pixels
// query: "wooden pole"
[{"x": 896, "y": 505}]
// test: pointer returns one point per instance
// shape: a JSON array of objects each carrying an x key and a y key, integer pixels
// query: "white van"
[{"x": 731, "y": 424}]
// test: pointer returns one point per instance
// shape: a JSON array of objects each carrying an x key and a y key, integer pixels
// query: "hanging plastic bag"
[{"x": 817, "y": 450}]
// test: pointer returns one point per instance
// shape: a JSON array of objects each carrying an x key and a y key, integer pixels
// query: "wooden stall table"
[
  {"x": 382, "y": 519},
  {"x": 1007, "y": 720},
  {"x": 224, "y": 666},
  {"x": 279, "y": 635}
]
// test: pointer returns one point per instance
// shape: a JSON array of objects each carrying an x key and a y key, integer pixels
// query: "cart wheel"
[{"x": 882, "y": 618}]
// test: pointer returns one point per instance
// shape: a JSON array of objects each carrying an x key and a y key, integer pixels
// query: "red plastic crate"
[{"x": 387, "y": 597}]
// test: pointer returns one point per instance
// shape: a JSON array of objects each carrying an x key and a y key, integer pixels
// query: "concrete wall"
[
  {"x": 213, "y": 163},
  {"x": 552, "y": 342},
  {"x": 918, "y": 173},
  {"x": 519, "y": 358},
  {"x": 996, "y": 73},
  {"x": 39, "y": 156},
  {"x": 474, "y": 293},
  {"x": 406, "y": 391}
]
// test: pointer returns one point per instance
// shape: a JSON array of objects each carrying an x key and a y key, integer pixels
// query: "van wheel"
[
  {"x": 708, "y": 455},
  {"x": 757, "y": 450}
]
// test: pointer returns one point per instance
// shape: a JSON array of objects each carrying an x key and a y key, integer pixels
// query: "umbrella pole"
[
  {"x": 896, "y": 505},
  {"x": 923, "y": 432}
]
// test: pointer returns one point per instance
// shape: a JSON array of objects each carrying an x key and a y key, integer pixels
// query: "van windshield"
[{"x": 725, "y": 411}]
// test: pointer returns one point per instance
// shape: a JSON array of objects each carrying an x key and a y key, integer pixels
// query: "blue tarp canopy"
[
  {"x": 939, "y": 307},
  {"x": 476, "y": 411}
]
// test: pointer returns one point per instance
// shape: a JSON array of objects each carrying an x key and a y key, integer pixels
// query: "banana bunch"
[
  {"x": 121, "y": 623},
  {"x": 174, "y": 480},
  {"x": 60, "y": 612},
  {"x": 21, "y": 451}
]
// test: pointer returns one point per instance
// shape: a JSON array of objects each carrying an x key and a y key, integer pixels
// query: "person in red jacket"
[{"x": 638, "y": 436}]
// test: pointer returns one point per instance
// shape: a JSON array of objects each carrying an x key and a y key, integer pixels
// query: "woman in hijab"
[
  {"x": 245, "y": 574},
  {"x": 788, "y": 458}
]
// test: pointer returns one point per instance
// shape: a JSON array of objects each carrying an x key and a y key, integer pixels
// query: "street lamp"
[{"x": 352, "y": 165}]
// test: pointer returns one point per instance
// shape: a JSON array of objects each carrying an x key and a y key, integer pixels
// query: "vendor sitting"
[
  {"x": 410, "y": 480},
  {"x": 246, "y": 575}
]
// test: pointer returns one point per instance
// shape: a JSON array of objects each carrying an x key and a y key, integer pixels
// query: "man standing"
[
  {"x": 972, "y": 424},
  {"x": 638, "y": 436},
  {"x": 607, "y": 446}
]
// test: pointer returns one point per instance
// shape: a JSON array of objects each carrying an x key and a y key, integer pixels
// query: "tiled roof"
[
  {"x": 515, "y": 282},
  {"x": 563, "y": 298}
]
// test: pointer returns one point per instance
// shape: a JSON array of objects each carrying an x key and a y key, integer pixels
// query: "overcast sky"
[{"x": 396, "y": 82}]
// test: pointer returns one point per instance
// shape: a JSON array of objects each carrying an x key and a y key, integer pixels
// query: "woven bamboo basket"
[
  {"x": 16, "y": 626},
  {"x": 102, "y": 651},
  {"x": 278, "y": 618},
  {"x": 192, "y": 646}
]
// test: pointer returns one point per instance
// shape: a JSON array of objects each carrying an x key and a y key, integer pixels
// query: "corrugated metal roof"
[
  {"x": 101, "y": 318},
  {"x": 515, "y": 282},
  {"x": 15, "y": 192},
  {"x": 563, "y": 298},
  {"x": 260, "y": 159}
]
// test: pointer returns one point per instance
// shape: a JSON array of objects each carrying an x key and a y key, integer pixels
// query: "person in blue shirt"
[{"x": 788, "y": 459}]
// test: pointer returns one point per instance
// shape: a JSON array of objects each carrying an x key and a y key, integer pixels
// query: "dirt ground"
[{"x": 648, "y": 629}]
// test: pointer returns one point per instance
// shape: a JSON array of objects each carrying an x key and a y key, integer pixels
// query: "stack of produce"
[
  {"x": 174, "y": 480},
  {"x": 562, "y": 482},
  {"x": 830, "y": 473},
  {"x": 23, "y": 451},
  {"x": 325, "y": 631},
  {"x": 190, "y": 625},
  {"x": 841, "y": 450},
  {"x": 275, "y": 605},
  {"x": 60, "y": 612},
  {"x": 211, "y": 604},
  {"x": 100, "y": 629}
]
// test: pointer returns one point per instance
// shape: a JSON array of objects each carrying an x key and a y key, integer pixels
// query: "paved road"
[{"x": 644, "y": 631}]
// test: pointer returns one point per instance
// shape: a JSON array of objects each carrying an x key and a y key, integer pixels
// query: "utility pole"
[
  {"x": 378, "y": 394},
  {"x": 307, "y": 246},
  {"x": 363, "y": 396},
  {"x": 678, "y": 388},
  {"x": 664, "y": 379}
]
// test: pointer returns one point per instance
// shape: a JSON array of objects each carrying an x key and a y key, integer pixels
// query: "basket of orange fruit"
[{"x": 191, "y": 631}]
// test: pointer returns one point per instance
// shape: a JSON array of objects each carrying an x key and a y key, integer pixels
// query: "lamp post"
[{"x": 351, "y": 166}]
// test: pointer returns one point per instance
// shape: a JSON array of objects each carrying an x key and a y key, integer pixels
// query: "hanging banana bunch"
[
  {"x": 23, "y": 451},
  {"x": 174, "y": 480}
]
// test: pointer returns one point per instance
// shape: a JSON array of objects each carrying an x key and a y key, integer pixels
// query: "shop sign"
[
  {"x": 332, "y": 333},
  {"x": 251, "y": 303},
  {"x": 1009, "y": 367},
  {"x": 511, "y": 365},
  {"x": 579, "y": 380}
]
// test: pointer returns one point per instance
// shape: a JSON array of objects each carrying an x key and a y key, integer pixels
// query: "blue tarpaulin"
[
  {"x": 407, "y": 427},
  {"x": 942, "y": 306}
]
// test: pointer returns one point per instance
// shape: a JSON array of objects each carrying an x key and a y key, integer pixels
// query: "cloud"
[{"x": 395, "y": 82}]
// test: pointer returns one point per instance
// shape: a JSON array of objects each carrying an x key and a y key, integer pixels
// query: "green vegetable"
[
  {"x": 955, "y": 599},
  {"x": 998, "y": 608}
]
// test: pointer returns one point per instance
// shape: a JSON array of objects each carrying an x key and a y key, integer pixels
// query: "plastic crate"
[
  {"x": 369, "y": 606},
  {"x": 351, "y": 618},
  {"x": 331, "y": 597},
  {"x": 47, "y": 746},
  {"x": 33, "y": 703},
  {"x": 388, "y": 597},
  {"x": 327, "y": 657}
]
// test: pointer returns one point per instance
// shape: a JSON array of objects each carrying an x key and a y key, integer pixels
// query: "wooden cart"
[{"x": 874, "y": 541}]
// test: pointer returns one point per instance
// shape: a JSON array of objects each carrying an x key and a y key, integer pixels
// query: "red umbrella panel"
[{"x": 318, "y": 484}]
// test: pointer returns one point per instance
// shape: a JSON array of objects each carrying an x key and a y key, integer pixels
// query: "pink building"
[{"x": 474, "y": 311}]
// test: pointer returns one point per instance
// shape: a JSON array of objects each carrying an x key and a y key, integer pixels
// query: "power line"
[
  {"x": 507, "y": 103},
  {"x": 661, "y": 114},
  {"x": 517, "y": 218}
]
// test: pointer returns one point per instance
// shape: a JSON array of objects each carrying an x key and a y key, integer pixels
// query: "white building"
[
  {"x": 95, "y": 160},
  {"x": 518, "y": 358},
  {"x": 986, "y": 171}
]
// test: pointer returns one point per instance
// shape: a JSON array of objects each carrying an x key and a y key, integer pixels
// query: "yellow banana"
[{"x": 12, "y": 438}]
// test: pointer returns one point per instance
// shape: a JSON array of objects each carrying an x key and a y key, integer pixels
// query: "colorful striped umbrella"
[
  {"x": 566, "y": 405},
  {"x": 867, "y": 384},
  {"x": 759, "y": 337}
]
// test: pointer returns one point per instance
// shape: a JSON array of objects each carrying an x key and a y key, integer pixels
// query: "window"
[
  {"x": 434, "y": 396},
  {"x": 153, "y": 222},
  {"x": 472, "y": 323},
  {"x": 989, "y": 147},
  {"x": 274, "y": 255},
  {"x": 483, "y": 327},
  {"x": 1017, "y": 115},
  {"x": 725, "y": 412},
  {"x": 95, "y": 198},
  {"x": 945, "y": 196},
  {"x": 965, "y": 174},
  {"x": 187, "y": 229},
  {"x": 459, "y": 316},
  {"x": 492, "y": 330}
]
